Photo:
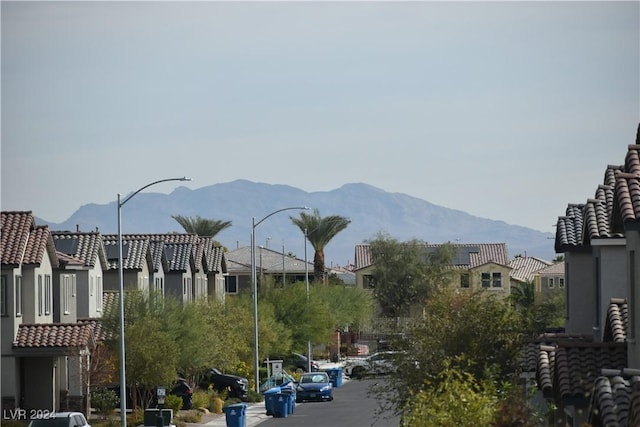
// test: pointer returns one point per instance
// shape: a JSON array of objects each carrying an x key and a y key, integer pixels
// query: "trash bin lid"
[{"x": 273, "y": 390}]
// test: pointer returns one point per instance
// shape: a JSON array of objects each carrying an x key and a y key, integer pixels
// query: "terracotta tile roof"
[
  {"x": 569, "y": 228},
  {"x": 110, "y": 301},
  {"x": 158, "y": 256},
  {"x": 531, "y": 348},
  {"x": 54, "y": 335},
  {"x": 615, "y": 206},
  {"x": 99, "y": 332},
  {"x": 568, "y": 370},
  {"x": 616, "y": 398},
  {"x": 615, "y": 329},
  {"x": 15, "y": 228},
  {"x": 213, "y": 255},
  {"x": 468, "y": 256},
  {"x": 524, "y": 268},
  {"x": 267, "y": 261},
  {"x": 180, "y": 248},
  {"x": 554, "y": 269},
  {"x": 87, "y": 247},
  {"x": 23, "y": 242},
  {"x": 68, "y": 260},
  {"x": 135, "y": 250}
]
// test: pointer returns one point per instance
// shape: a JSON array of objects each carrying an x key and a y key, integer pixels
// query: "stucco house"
[
  {"x": 600, "y": 240},
  {"x": 41, "y": 346},
  {"x": 476, "y": 266},
  {"x": 279, "y": 267}
]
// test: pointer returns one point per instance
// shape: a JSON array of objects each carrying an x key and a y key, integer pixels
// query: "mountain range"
[{"x": 370, "y": 209}]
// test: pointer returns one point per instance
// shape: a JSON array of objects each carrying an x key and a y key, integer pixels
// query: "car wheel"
[{"x": 358, "y": 372}]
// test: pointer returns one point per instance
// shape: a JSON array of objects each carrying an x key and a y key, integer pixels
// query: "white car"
[
  {"x": 60, "y": 419},
  {"x": 380, "y": 363}
]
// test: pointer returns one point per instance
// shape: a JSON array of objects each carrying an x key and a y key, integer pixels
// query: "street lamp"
[
  {"x": 123, "y": 377},
  {"x": 254, "y": 280}
]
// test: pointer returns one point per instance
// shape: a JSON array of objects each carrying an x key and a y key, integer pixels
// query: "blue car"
[{"x": 314, "y": 386}]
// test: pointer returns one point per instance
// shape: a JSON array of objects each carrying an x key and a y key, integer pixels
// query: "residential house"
[
  {"x": 549, "y": 281},
  {"x": 524, "y": 269},
  {"x": 476, "y": 266},
  {"x": 37, "y": 351},
  {"x": 89, "y": 249},
  {"x": 137, "y": 263},
  {"x": 277, "y": 266},
  {"x": 600, "y": 242}
]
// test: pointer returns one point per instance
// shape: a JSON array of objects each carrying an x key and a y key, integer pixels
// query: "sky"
[{"x": 505, "y": 110}]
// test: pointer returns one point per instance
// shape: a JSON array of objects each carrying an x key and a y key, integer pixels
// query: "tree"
[
  {"x": 319, "y": 231},
  {"x": 473, "y": 332},
  {"x": 406, "y": 273},
  {"x": 201, "y": 226}
]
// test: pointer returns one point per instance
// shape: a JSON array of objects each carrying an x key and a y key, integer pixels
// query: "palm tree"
[
  {"x": 319, "y": 231},
  {"x": 201, "y": 226}
]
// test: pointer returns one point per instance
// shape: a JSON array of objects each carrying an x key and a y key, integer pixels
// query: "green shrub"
[
  {"x": 104, "y": 401},
  {"x": 201, "y": 399},
  {"x": 191, "y": 417},
  {"x": 171, "y": 401},
  {"x": 254, "y": 396}
]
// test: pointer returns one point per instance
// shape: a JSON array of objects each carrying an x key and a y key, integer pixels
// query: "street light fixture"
[
  {"x": 123, "y": 377},
  {"x": 254, "y": 280}
]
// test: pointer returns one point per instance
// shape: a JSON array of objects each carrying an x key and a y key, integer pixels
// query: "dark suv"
[
  {"x": 236, "y": 385},
  {"x": 297, "y": 362}
]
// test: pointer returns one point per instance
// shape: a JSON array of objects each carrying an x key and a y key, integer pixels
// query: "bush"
[
  {"x": 171, "y": 401},
  {"x": 254, "y": 396},
  {"x": 104, "y": 401},
  {"x": 200, "y": 399}
]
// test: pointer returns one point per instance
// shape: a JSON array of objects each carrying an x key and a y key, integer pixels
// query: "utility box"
[{"x": 151, "y": 415}]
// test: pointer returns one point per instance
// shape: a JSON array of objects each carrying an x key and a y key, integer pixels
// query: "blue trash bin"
[
  {"x": 335, "y": 376},
  {"x": 269, "y": 399},
  {"x": 290, "y": 392},
  {"x": 281, "y": 405},
  {"x": 236, "y": 415}
]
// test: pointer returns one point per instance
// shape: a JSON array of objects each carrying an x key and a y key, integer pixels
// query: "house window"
[
  {"x": 91, "y": 285},
  {"x": 464, "y": 280},
  {"x": 40, "y": 296},
  {"x": 550, "y": 284},
  {"x": 98, "y": 293},
  {"x": 159, "y": 284},
  {"x": 496, "y": 280},
  {"x": 68, "y": 284},
  {"x": 18, "y": 296},
  {"x": 367, "y": 282},
  {"x": 47, "y": 294},
  {"x": 186, "y": 289},
  {"x": 486, "y": 280},
  {"x": 231, "y": 284},
  {"x": 3, "y": 295},
  {"x": 561, "y": 282}
]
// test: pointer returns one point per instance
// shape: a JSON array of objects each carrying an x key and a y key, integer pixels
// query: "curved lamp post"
[
  {"x": 123, "y": 377},
  {"x": 254, "y": 281}
]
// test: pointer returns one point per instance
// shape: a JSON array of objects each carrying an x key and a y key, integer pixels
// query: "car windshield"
[
  {"x": 314, "y": 378},
  {"x": 50, "y": 422}
]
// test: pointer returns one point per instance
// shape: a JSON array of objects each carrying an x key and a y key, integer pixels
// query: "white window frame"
[
  {"x": 496, "y": 280},
  {"x": 561, "y": 282},
  {"x": 98, "y": 293},
  {"x": 67, "y": 287},
  {"x": 47, "y": 294},
  {"x": 40, "y": 295},
  {"x": 18, "y": 296},
  {"x": 485, "y": 280}
]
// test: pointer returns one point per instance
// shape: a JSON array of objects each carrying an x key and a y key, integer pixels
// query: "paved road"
[{"x": 351, "y": 407}]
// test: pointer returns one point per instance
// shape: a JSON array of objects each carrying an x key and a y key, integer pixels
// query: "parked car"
[
  {"x": 184, "y": 390},
  {"x": 380, "y": 363},
  {"x": 237, "y": 386},
  {"x": 314, "y": 386},
  {"x": 297, "y": 362},
  {"x": 60, "y": 419}
]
